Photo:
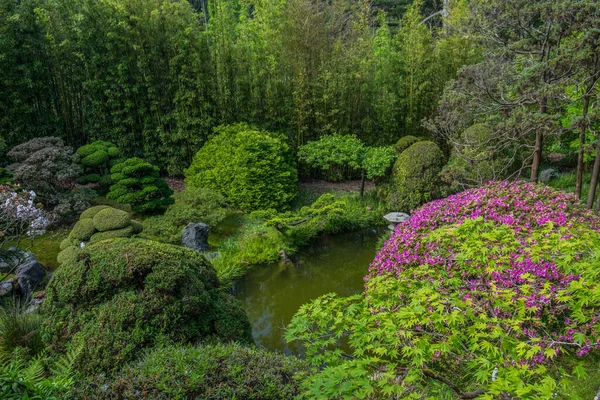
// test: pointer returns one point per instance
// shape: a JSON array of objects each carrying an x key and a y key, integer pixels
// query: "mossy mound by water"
[
  {"x": 120, "y": 296},
  {"x": 207, "y": 372}
]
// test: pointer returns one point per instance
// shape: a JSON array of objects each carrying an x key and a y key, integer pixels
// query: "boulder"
[
  {"x": 13, "y": 257},
  {"x": 30, "y": 276},
  {"x": 6, "y": 288},
  {"x": 547, "y": 175},
  {"x": 195, "y": 236}
]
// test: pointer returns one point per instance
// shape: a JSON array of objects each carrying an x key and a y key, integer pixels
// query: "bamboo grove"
[{"x": 155, "y": 77}]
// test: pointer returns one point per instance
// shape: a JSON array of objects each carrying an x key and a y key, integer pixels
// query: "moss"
[
  {"x": 137, "y": 226},
  {"x": 83, "y": 230},
  {"x": 69, "y": 255},
  {"x": 66, "y": 242},
  {"x": 111, "y": 219},
  {"x": 219, "y": 371},
  {"x": 92, "y": 211},
  {"x": 125, "y": 295},
  {"x": 117, "y": 233},
  {"x": 405, "y": 142},
  {"x": 416, "y": 176}
]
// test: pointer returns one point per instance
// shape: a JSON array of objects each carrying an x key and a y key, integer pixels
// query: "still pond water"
[{"x": 271, "y": 294}]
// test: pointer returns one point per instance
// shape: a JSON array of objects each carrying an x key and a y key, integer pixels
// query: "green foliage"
[
  {"x": 5, "y": 176},
  {"x": 415, "y": 178},
  {"x": 109, "y": 219},
  {"x": 19, "y": 331},
  {"x": 252, "y": 169},
  {"x": 405, "y": 142},
  {"x": 22, "y": 377},
  {"x": 125, "y": 295},
  {"x": 213, "y": 371},
  {"x": 347, "y": 151},
  {"x": 96, "y": 159},
  {"x": 138, "y": 184},
  {"x": 83, "y": 230},
  {"x": 191, "y": 205}
]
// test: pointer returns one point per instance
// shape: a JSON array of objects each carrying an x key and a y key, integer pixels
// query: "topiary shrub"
[
  {"x": 405, "y": 142},
  {"x": 415, "y": 178},
  {"x": 218, "y": 371},
  {"x": 253, "y": 169},
  {"x": 45, "y": 165},
  {"x": 138, "y": 184},
  {"x": 96, "y": 159},
  {"x": 125, "y": 295},
  {"x": 492, "y": 292},
  {"x": 96, "y": 224}
]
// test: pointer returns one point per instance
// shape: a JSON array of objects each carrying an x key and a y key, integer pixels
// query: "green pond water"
[{"x": 271, "y": 294}]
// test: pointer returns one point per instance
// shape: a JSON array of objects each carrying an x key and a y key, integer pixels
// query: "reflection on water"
[{"x": 272, "y": 293}]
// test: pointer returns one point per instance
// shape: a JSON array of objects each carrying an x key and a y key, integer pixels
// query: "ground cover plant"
[{"x": 489, "y": 292}]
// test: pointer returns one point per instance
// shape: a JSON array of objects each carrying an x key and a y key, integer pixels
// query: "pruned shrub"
[
  {"x": 125, "y": 295},
  {"x": 218, "y": 371},
  {"x": 96, "y": 159},
  {"x": 405, "y": 142},
  {"x": 96, "y": 224},
  {"x": 490, "y": 292},
  {"x": 416, "y": 176},
  {"x": 138, "y": 184},
  {"x": 253, "y": 169}
]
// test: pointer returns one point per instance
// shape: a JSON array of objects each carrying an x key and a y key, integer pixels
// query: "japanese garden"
[{"x": 300, "y": 199}]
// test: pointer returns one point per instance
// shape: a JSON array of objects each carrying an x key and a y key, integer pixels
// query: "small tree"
[
  {"x": 96, "y": 159},
  {"x": 138, "y": 184},
  {"x": 348, "y": 150}
]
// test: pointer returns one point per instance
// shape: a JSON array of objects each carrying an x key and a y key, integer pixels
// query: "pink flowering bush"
[{"x": 490, "y": 292}]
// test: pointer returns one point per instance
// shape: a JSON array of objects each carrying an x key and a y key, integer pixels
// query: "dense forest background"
[{"x": 155, "y": 77}]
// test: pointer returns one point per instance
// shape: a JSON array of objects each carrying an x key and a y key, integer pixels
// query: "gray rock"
[
  {"x": 547, "y": 175},
  {"x": 195, "y": 236},
  {"x": 13, "y": 257},
  {"x": 6, "y": 288},
  {"x": 30, "y": 276}
]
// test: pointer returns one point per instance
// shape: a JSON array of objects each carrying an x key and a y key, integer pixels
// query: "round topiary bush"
[
  {"x": 96, "y": 159},
  {"x": 138, "y": 184},
  {"x": 492, "y": 292},
  {"x": 124, "y": 295},
  {"x": 253, "y": 169},
  {"x": 220, "y": 371},
  {"x": 405, "y": 142},
  {"x": 96, "y": 224},
  {"x": 415, "y": 178}
]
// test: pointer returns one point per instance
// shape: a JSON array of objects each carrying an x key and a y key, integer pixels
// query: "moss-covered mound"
[
  {"x": 207, "y": 372},
  {"x": 124, "y": 295},
  {"x": 96, "y": 224},
  {"x": 416, "y": 176}
]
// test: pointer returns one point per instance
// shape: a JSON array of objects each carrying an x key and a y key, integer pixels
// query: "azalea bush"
[{"x": 491, "y": 292}]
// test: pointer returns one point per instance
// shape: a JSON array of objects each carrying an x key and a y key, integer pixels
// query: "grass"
[{"x": 45, "y": 247}]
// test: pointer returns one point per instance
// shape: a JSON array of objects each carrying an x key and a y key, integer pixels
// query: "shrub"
[
  {"x": 45, "y": 165},
  {"x": 96, "y": 159},
  {"x": 490, "y": 292},
  {"x": 212, "y": 372},
  {"x": 20, "y": 216},
  {"x": 96, "y": 224},
  {"x": 475, "y": 160},
  {"x": 19, "y": 330},
  {"x": 72, "y": 203},
  {"x": 415, "y": 178},
  {"x": 253, "y": 169},
  {"x": 138, "y": 184},
  {"x": 405, "y": 142},
  {"x": 125, "y": 295},
  {"x": 191, "y": 205}
]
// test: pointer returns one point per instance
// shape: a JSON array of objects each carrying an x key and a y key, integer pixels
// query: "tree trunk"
[
  {"x": 537, "y": 152},
  {"x": 594, "y": 180},
  {"x": 579, "y": 183},
  {"x": 362, "y": 182}
]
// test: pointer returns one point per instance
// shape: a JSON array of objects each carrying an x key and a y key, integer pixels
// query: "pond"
[{"x": 271, "y": 294}]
